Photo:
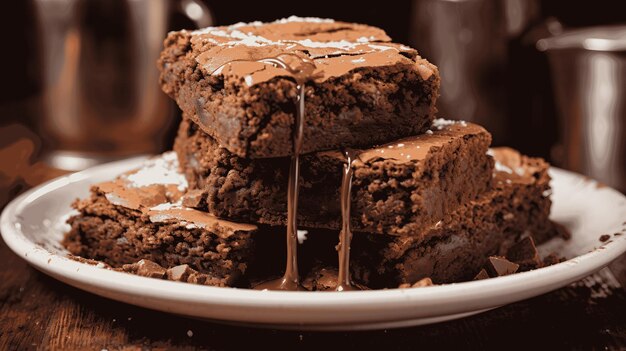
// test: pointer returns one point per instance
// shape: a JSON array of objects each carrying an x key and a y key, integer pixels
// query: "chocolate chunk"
[
  {"x": 604, "y": 237},
  {"x": 194, "y": 198},
  {"x": 498, "y": 266},
  {"x": 481, "y": 275},
  {"x": 180, "y": 273},
  {"x": 184, "y": 273},
  {"x": 525, "y": 254},
  {"x": 145, "y": 268}
]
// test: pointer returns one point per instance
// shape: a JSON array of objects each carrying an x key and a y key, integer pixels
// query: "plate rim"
[{"x": 475, "y": 293}]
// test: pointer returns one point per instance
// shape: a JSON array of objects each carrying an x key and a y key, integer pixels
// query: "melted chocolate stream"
[
  {"x": 291, "y": 278},
  {"x": 344, "y": 282}
]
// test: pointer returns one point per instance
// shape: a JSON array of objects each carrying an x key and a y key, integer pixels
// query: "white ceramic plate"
[{"x": 33, "y": 224}]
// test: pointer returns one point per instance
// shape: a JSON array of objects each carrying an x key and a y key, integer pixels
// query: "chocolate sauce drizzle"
[
  {"x": 344, "y": 282},
  {"x": 291, "y": 278},
  {"x": 302, "y": 69}
]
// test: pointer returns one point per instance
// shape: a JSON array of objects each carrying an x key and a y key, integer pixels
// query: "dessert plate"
[{"x": 33, "y": 224}]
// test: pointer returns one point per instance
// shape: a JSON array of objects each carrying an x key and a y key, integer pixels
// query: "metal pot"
[{"x": 589, "y": 78}]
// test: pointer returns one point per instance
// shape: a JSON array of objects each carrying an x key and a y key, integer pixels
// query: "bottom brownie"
[
  {"x": 139, "y": 216},
  {"x": 457, "y": 247}
]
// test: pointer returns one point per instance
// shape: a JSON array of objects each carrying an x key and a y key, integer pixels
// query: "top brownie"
[{"x": 360, "y": 88}]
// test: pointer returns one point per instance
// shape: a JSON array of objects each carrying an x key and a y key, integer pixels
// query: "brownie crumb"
[
  {"x": 551, "y": 259},
  {"x": 604, "y": 237},
  {"x": 88, "y": 261},
  {"x": 418, "y": 284},
  {"x": 562, "y": 231}
]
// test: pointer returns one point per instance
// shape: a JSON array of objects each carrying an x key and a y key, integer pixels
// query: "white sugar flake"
[
  {"x": 158, "y": 170},
  {"x": 502, "y": 168},
  {"x": 441, "y": 123}
]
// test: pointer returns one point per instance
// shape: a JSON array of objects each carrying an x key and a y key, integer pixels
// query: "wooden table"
[{"x": 38, "y": 312}]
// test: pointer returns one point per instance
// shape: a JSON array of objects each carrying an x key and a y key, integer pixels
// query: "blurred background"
[{"x": 80, "y": 85}]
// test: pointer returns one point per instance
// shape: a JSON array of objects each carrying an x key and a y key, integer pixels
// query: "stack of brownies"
[{"x": 323, "y": 132}]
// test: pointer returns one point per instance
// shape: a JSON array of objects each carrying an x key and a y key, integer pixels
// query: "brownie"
[
  {"x": 456, "y": 248},
  {"x": 398, "y": 188},
  {"x": 138, "y": 216},
  {"x": 138, "y": 224},
  {"x": 360, "y": 88}
]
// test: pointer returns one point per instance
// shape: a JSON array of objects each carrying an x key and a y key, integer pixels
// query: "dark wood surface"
[{"x": 38, "y": 312}]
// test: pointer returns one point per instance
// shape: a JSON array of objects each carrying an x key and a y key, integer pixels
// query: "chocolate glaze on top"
[
  {"x": 336, "y": 48},
  {"x": 414, "y": 148},
  {"x": 300, "y": 69},
  {"x": 417, "y": 147}
]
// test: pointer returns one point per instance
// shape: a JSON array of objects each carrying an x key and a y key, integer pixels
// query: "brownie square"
[
  {"x": 138, "y": 216},
  {"x": 364, "y": 89},
  {"x": 458, "y": 246},
  {"x": 398, "y": 188}
]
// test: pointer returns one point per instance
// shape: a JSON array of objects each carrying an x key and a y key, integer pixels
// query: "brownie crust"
[
  {"x": 399, "y": 188},
  {"x": 363, "y": 84}
]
